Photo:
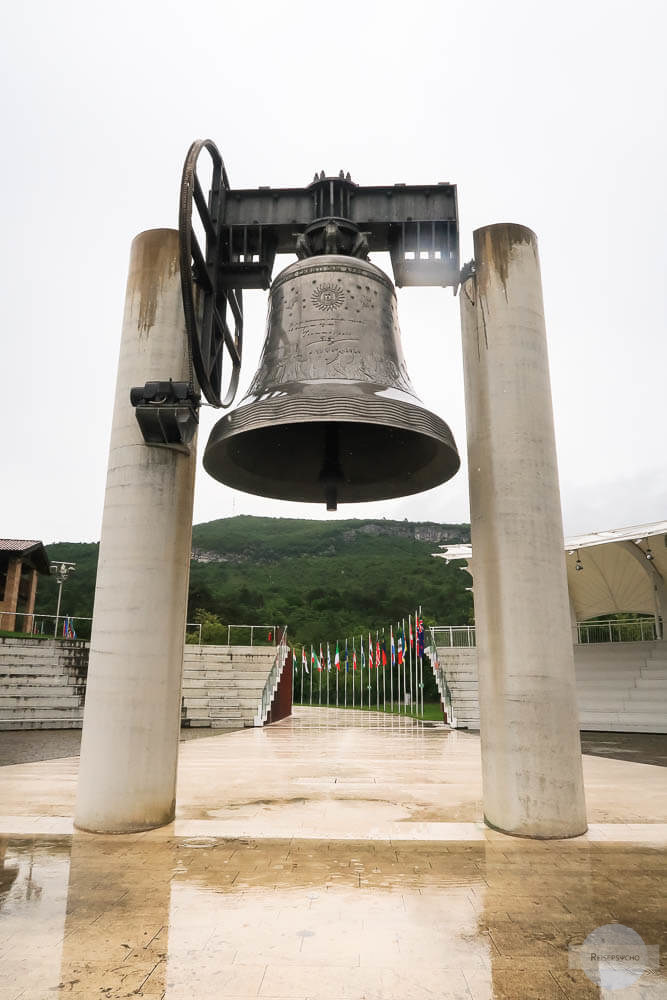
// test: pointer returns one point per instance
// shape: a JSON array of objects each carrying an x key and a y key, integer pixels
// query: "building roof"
[
  {"x": 622, "y": 569},
  {"x": 29, "y": 550}
]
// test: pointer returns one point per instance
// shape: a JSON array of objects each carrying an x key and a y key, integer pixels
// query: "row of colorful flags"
[
  {"x": 398, "y": 647},
  {"x": 378, "y": 655}
]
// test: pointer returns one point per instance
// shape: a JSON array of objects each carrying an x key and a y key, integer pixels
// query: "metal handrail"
[
  {"x": 441, "y": 680},
  {"x": 273, "y": 679}
]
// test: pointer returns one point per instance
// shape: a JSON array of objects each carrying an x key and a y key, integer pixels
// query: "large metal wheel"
[{"x": 205, "y": 300}]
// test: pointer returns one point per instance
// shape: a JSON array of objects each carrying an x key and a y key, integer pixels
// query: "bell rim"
[{"x": 270, "y": 414}]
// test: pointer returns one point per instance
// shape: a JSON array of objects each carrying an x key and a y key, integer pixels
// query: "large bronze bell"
[{"x": 331, "y": 414}]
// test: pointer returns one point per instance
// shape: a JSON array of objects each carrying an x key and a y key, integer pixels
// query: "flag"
[
  {"x": 363, "y": 655},
  {"x": 313, "y": 659},
  {"x": 347, "y": 662},
  {"x": 420, "y": 637},
  {"x": 321, "y": 658},
  {"x": 370, "y": 652},
  {"x": 337, "y": 657},
  {"x": 411, "y": 636},
  {"x": 384, "y": 652},
  {"x": 354, "y": 658},
  {"x": 328, "y": 657},
  {"x": 400, "y": 651},
  {"x": 304, "y": 660},
  {"x": 377, "y": 654},
  {"x": 393, "y": 650}
]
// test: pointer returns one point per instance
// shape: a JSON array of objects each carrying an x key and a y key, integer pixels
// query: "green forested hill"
[{"x": 323, "y": 579}]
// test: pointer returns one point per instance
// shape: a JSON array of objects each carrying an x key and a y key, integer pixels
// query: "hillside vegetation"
[{"x": 325, "y": 580}]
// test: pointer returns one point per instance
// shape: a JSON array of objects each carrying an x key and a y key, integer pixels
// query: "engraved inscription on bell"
[{"x": 333, "y": 321}]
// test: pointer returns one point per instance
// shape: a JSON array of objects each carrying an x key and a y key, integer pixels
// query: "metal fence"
[
  {"x": 631, "y": 630},
  {"x": 79, "y": 627},
  {"x": 48, "y": 626},
  {"x": 453, "y": 635},
  {"x": 234, "y": 635}
]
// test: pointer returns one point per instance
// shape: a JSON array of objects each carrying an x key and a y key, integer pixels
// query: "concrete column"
[
  {"x": 531, "y": 757},
  {"x": 129, "y": 747},
  {"x": 30, "y": 605},
  {"x": 11, "y": 596}
]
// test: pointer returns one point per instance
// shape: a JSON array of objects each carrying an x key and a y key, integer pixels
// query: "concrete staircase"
[
  {"x": 42, "y": 683},
  {"x": 223, "y": 685},
  {"x": 621, "y": 687},
  {"x": 459, "y": 665}
]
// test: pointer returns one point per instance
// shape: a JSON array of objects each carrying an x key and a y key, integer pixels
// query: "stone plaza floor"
[{"x": 334, "y": 856}]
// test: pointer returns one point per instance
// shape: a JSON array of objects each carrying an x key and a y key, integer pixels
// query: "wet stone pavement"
[{"x": 358, "y": 869}]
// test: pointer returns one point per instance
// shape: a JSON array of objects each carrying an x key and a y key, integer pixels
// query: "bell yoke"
[{"x": 331, "y": 415}]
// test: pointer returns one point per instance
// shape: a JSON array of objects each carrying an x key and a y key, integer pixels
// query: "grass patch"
[{"x": 432, "y": 709}]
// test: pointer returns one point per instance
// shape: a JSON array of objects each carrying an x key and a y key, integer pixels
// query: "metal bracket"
[{"x": 167, "y": 413}]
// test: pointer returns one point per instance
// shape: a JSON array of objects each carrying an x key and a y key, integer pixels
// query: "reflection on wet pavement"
[
  {"x": 204, "y": 918},
  {"x": 333, "y": 856},
  {"x": 642, "y": 748}
]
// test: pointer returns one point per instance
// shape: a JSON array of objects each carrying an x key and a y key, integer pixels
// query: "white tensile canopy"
[{"x": 621, "y": 570}]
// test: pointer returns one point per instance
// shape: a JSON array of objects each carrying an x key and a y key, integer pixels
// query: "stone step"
[
  {"x": 623, "y": 727},
  {"x": 41, "y": 713},
  {"x": 658, "y": 696},
  {"x": 17, "y": 724},
  {"x": 34, "y": 700},
  {"x": 51, "y": 683},
  {"x": 652, "y": 683}
]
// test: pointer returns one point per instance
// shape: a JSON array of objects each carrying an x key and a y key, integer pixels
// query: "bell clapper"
[{"x": 331, "y": 473}]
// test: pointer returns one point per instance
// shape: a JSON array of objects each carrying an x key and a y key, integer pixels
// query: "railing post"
[{"x": 252, "y": 630}]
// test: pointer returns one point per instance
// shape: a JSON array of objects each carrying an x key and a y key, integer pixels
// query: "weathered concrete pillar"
[
  {"x": 531, "y": 757},
  {"x": 129, "y": 747}
]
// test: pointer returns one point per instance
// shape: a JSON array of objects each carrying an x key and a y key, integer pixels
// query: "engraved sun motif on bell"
[{"x": 328, "y": 297}]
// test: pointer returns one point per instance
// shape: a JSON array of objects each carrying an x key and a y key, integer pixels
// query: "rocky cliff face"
[{"x": 421, "y": 532}]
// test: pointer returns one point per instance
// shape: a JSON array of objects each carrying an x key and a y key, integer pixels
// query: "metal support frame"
[{"x": 246, "y": 228}]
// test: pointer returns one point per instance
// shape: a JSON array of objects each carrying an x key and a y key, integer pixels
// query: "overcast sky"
[{"x": 550, "y": 114}]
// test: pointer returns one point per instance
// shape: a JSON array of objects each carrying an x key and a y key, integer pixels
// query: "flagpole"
[
  {"x": 337, "y": 665},
  {"x": 384, "y": 680},
  {"x": 320, "y": 674},
  {"x": 354, "y": 660},
  {"x": 311, "y": 676},
  {"x": 377, "y": 672},
  {"x": 370, "y": 676},
  {"x": 421, "y": 665},
  {"x": 408, "y": 668},
  {"x": 362, "y": 662},
  {"x": 303, "y": 652},
  {"x": 345, "y": 680},
  {"x": 391, "y": 678}
]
